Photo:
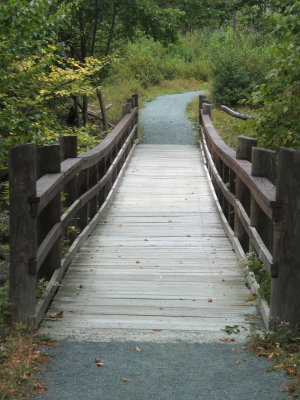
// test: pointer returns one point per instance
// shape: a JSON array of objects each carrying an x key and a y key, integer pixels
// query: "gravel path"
[
  {"x": 164, "y": 120},
  {"x": 219, "y": 371},
  {"x": 160, "y": 371}
]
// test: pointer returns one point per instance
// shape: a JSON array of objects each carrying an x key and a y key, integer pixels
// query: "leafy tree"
[
  {"x": 277, "y": 122},
  {"x": 35, "y": 74},
  {"x": 98, "y": 25}
]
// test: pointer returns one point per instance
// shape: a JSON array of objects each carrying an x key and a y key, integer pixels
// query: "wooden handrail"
[
  {"x": 86, "y": 182},
  {"x": 258, "y": 198}
]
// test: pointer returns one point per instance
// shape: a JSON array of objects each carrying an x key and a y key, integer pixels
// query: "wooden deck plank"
[{"x": 156, "y": 256}]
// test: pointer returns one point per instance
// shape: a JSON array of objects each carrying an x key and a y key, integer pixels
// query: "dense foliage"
[
  {"x": 240, "y": 59},
  {"x": 277, "y": 122}
]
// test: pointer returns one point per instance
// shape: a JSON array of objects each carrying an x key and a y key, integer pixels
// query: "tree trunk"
[
  {"x": 103, "y": 110},
  {"x": 85, "y": 104}
]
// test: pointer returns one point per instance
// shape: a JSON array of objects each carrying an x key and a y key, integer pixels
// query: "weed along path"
[{"x": 153, "y": 306}]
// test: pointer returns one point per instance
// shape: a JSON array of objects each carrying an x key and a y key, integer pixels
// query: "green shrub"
[
  {"x": 239, "y": 61},
  {"x": 252, "y": 263}
]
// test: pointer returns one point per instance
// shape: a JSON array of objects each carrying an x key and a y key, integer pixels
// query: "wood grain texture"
[
  {"x": 156, "y": 256},
  {"x": 23, "y": 240}
]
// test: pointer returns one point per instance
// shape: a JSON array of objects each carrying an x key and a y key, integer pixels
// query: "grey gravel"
[
  {"x": 164, "y": 120},
  {"x": 176, "y": 371}
]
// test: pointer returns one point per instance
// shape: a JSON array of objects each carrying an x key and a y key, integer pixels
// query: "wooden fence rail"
[
  {"x": 259, "y": 197},
  {"x": 56, "y": 197}
]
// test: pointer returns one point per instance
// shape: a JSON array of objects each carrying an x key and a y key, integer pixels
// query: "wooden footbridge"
[{"x": 147, "y": 243}]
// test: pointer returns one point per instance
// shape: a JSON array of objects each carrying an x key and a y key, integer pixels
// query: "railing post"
[
  {"x": 285, "y": 299},
  {"x": 206, "y": 107},
  {"x": 23, "y": 236},
  {"x": 49, "y": 162},
  {"x": 126, "y": 108},
  {"x": 264, "y": 165},
  {"x": 68, "y": 149},
  {"x": 244, "y": 147}
]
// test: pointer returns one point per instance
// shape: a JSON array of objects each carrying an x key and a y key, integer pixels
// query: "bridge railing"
[
  {"x": 258, "y": 193},
  {"x": 56, "y": 197}
]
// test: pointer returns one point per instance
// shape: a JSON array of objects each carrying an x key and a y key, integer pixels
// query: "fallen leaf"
[
  {"x": 193, "y": 299},
  {"x": 98, "y": 360},
  {"x": 161, "y": 308},
  {"x": 185, "y": 344},
  {"x": 231, "y": 329},
  {"x": 245, "y": 347},
  {"x": 100, "y": 364},
  {"x": 72, "y": 311},
  {"x": 137, "y": 262},
  {"x": 39, "y": 386},
  {"x": 252, "y": 297},
  {"x": 291, "y": 370},
  {"x": 289, "y": 389},
  {"x": 209, "y": 300},
  {"x": 226, "y": 339},
  {"x": 271, "y": 356},
  {"x": 156, "y": 330},
  {"x": 146, "y": 240},
  {"x": 237, "y": 362},
  {"x": 137, "y": 349},
  {"x": 125, "y": 379},
  {"x": 56, "y": 316}
]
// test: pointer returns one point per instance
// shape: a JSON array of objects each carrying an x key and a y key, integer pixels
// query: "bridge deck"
[{"x": 157, "y": 260}]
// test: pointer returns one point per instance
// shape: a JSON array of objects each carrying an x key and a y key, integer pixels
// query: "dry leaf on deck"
[
  {"x": 137, "y": 349},
  {"x": 125, "y": 379},
  {"x": 56, "y": 316}
]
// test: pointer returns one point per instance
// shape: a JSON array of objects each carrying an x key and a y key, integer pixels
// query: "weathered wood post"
[
  {"x": 263, "y": 165},
  {"x": 68, "y": 149},
  {"x": 136, "y": 104},
  {"x": 285, "y": 299},
  {"x": 243, "y": 152},
  {"x": 244, "y": 147},
  {"x": 23, "y": 237},
  {"x": 49, "y": 162}
]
